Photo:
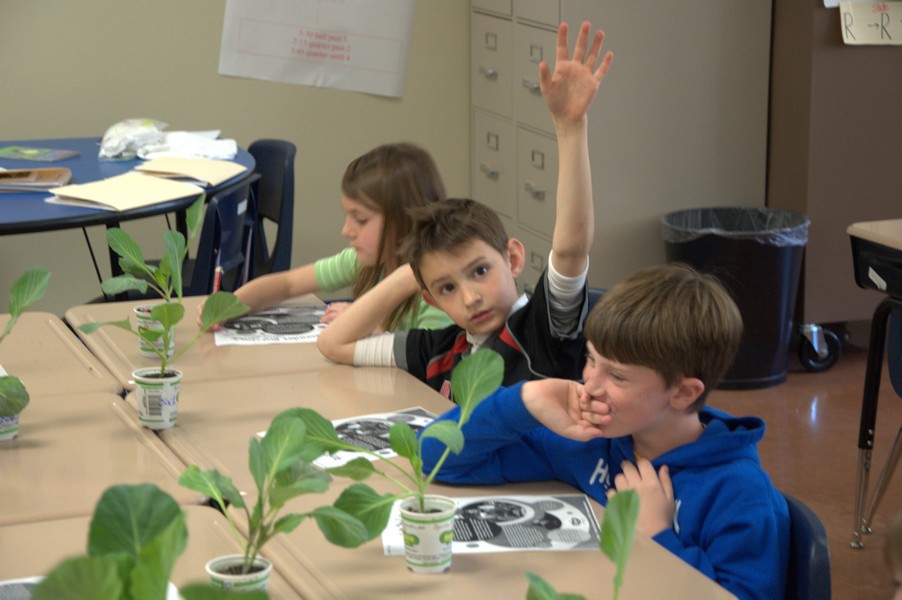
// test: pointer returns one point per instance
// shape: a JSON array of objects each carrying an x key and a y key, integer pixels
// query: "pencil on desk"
[{"x": 217, "y": 279}]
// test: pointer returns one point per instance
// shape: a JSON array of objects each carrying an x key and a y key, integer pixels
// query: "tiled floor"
[{"x": 811, "y": 450}]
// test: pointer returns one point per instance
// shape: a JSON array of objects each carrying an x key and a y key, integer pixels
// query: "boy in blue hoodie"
[{"x": 657, "y": 343}]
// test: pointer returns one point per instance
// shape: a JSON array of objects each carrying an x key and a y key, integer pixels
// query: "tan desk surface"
[
  {"x": 49, "y": 359},
  {"x": 887, "y": 232},
  {"x": 216, "y": 419},
  {"x": 71, "y": 448},
  {"x": 205, "y": 361},
  {"x": 317, "y": 569},
  {"x": 33, "y": 549}
]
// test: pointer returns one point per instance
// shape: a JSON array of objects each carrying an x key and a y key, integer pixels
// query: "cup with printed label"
[
  {"x": 157, "y": 396},
  {"x": 146, "y": 323}
]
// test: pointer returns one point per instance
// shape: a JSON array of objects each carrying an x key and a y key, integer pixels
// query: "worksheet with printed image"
[{"x": 562, "y": 522}]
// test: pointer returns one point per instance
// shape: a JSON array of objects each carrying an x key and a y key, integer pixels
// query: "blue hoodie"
[{"x": 730, "y": 522}]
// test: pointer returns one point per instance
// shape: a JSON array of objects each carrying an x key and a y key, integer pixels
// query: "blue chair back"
[
  {"x": 808, "y": 576},
  {"x": 223, "y": 239},
  {"x": 274, "y": 194}
]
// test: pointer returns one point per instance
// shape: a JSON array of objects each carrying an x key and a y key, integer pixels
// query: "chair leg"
[{"x": 885, "y": 475}]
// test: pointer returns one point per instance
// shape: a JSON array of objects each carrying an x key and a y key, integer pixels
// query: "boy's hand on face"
[
  {"x": 570, "y": 89},
  {"x": 556, "y": 403},
  {"x": 655, "y": 491}
]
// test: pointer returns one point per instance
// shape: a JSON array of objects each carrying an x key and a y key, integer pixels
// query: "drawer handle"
[
  {"x": 489, "y": 171},
  {"x": 532, "y": 86},
  {"x": 533, "y": 191},
  {"x": 489, "y": 72}
]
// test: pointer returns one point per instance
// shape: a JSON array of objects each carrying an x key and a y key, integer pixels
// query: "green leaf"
[
  {"x": 283, "y": 444},
  {"x": 153, "y": 569},
  {"x": 81, "y": 578},
  {"x": 123, "y": 283},
  {"x": 298, "y": 479},
  {"x": 13, "y": 396},
  {"x": 27, "y": 290},
  {"x": 127, "y": 517},
  {"x": 194, "y": 216},
  {"x": 203, "y": 591},
  {"x": 321, "y": 434},
  {"x": 212, "y": 484},
  {"x": 90, "y": 328},
  {"x": 617, "y": 530},
  {"x": 365, "y": 504},
  {"x": 173, "y": 257},
  {"x": 339, "y": 527},
  {"x": 219, "y": 307},
  {"x": 123, "y": 245},
  {"x": 447, "y": 432},
  {"x": 539, "y": 589},
  {"x": 474, "y": 378},
  {"x": 168, "y": 313},
  {"x": 288, "y": 523},
  {"x": 257, "y": 462},
  {"x": 403, "y": 440},
  {"x": 357, "y": 469}
]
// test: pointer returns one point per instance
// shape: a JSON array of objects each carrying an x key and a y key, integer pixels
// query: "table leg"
[
  {"x": 868, "y": 422},
  {"x": 885, "y": 475}
]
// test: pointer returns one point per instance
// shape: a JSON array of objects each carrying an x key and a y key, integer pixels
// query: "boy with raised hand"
[
  {"x": 657, "y": 342},
  {"x": 461, "y": 259}
]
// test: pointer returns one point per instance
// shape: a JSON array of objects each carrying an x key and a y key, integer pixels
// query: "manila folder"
[{"x": 124, "y": 192}]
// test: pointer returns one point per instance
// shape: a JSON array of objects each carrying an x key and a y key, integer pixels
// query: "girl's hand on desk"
[
  {"x": 333, "y": 310},
  {"x": 200, "y": 310}
]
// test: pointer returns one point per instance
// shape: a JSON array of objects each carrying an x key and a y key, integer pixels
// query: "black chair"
[
  {"x": 224, "y": 234},
  {"x": 808, "y": 576},
  {"x": 274, "y": 194}
]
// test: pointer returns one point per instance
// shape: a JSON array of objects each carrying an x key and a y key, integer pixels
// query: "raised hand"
[{"x": 569, "y": 91}]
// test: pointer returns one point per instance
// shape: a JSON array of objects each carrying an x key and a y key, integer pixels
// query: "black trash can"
[{"x": 757, "y": 254}]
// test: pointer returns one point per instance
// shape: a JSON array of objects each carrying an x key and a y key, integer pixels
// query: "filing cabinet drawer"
[
  {"x": 537, "y": 252},
  {"x": 531, "y": 46},
  {"x": 537, "y": 166},
  {"x": 490, "y": 64},
  {"x": 502, "y": 7},
  {"x": 540, "y": 11},
  {"x": 494, "y": 163}
]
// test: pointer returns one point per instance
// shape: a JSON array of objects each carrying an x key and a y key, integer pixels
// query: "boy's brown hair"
[
  {"x": 449, "y": 224},
  {"x": 672, "y": 319}
]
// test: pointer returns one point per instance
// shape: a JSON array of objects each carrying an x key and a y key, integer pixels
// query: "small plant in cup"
[
  {"x": 136, "y": 535},
  {"x": 158, "y": 388},
  {"x": 474, "y": 378},
  {"x": 27, "y": 290},
  {"x": 281, "y": 469}
]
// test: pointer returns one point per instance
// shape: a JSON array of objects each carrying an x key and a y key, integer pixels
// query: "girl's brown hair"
[{"x": 392, "y": 179}]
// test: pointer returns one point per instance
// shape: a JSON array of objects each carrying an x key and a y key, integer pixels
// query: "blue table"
[{"x": 28, "y": 212}]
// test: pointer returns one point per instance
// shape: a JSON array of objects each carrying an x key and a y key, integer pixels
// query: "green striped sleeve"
[{"x": 336, "y": 272}]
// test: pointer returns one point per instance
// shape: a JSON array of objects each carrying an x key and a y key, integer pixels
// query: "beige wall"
[{"x": 75, "y": 68}]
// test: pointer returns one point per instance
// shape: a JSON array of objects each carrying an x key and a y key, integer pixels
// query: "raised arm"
[
  {"x": 364, "y": 315},
  {"x": 568, "y": 92}
]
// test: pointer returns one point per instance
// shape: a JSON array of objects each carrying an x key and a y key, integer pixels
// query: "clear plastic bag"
[
  {"x": 764, "y": 225},
  {"x": 123, "y": 140}
]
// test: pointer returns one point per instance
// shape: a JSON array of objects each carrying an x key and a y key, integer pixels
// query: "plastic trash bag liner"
[{"x": 764, "y": 225}]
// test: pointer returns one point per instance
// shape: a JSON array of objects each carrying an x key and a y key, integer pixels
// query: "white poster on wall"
[{"x": 354, "y": 45}]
